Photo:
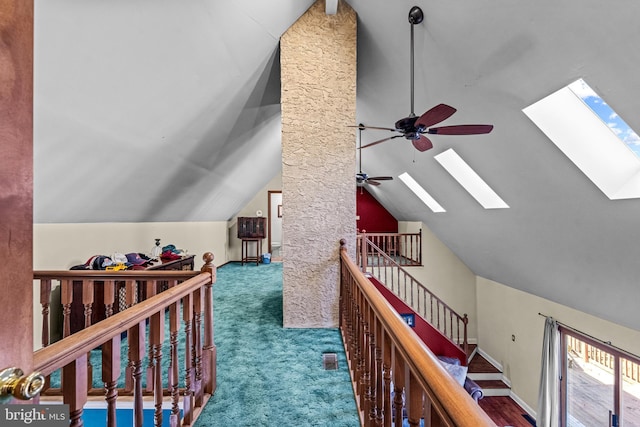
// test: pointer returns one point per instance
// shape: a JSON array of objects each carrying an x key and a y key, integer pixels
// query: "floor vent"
[{"x": 330, "y": 361}]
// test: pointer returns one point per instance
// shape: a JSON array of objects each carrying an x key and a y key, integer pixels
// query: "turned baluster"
[
  {"x": 150, "y": 290},
  {"x": 398, "y": 389},
  {"x": 110, "y": 375},
  {"x": 386, "y": 388},
  {"x": 371, "y": 392},
  {"x": 136, "y": 354},
  {"x": 74, "y": 393},
  {"x": 45, "y": 297},
  {"x": 187, "y": 317},
  {"x": 415, "y": 410},
  {"x": 197, "y": 347},
  {"x": 154, "y": 378},
  {"x": 87, "y": 302},
  {"x": 174, "y": 327},
  {"x": 109, "y": 289},
  {"x": 365, "y": 380},
  {"x": 130, "y": 298},
  {"x": 131, "y": 293},
  {"x": 209, "y": 354},
  {"x": 379, "y": 373},
  {"x": 66, "y": 298}
]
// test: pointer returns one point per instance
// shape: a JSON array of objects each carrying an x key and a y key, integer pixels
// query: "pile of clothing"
[
  {"x": 130, "y": 261},
  {"x": 171, "y": 253}
]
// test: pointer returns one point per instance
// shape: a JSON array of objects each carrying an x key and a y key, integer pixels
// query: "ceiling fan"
[
  {"x": 413, "y": 127},
  {"x": 361, "y": 177}
]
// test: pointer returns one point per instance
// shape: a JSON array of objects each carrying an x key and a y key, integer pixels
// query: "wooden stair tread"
[
  {"x": 481, "y": 365},
  {"x": 486, "y": 384}
]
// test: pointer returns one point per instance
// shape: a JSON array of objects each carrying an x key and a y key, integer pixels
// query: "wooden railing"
[
  {"x": 383, "y": 350},
  {"x": 606, "y": 358},
  {"x": 188, "y": 386},
  {"x": 404, "y": 248},
  {"x": 373, "y": 260}
]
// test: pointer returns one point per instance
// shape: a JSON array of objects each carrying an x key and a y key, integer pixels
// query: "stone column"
[{"x": 318, "y": 63}]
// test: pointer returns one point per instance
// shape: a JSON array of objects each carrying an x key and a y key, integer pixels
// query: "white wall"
[
  {"x": 61, "y": 246},
  {"x": 260, "y": 202},
  {"x": 496, "y": 312},
  {"x": 504, "y": 311}
]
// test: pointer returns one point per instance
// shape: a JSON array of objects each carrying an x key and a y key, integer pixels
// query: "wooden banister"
[
  {"x": 379, "y": 264},
  {"x": 56, "y": 355},
  {"x": 186, "y": 298},
  {"x": 374, "y": 334}
]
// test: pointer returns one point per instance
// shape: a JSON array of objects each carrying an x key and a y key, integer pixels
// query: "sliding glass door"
[{"x": 600, "y": 384}]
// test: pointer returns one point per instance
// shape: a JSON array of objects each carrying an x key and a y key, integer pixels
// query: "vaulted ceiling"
[{"x": 168, "y": 110}]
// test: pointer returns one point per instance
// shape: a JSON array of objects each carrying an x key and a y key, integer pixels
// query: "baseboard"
[
  {"x": 523, "y": 405},
  {"x": 490, "y": 359}
]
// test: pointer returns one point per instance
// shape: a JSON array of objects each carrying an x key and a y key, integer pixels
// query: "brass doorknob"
[{"x": 14, "y": 383}]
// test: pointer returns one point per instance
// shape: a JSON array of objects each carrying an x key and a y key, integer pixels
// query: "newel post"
[{"x": 209, "y": 349}]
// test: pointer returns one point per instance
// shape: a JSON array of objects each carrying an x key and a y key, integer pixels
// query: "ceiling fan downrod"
[{"x": 415, "y": 17}]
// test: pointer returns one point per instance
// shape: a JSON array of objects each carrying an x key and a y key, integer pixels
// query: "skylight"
[
  {"x": 421, "y": 193},
  {"x": 609, "y": 117},
  {"x": 592, "y": 136},
  {"x": 470, "y": 180}
]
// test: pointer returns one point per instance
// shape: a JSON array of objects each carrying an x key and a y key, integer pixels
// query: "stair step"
[
  {"x": 494, "y": 387},
  {"x": 480, "y": 365},
  {"x": 488, "y": 376}
]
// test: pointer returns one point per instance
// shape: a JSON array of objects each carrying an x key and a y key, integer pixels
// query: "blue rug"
[{"x": 269, "y": 375}]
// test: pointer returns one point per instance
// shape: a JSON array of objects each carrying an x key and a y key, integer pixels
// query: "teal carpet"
[{"x": 269, "y": 375}]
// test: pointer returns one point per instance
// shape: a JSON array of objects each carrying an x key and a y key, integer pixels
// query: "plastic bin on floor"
[{"x": 266, "y": 258}]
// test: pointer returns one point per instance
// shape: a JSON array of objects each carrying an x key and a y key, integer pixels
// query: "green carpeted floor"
[{"x": 269, "y": 375}]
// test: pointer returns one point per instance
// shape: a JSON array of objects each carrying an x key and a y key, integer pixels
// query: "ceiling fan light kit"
[
  {"x": 414, "y": 128},
  {"x": 361, "y": 177}
]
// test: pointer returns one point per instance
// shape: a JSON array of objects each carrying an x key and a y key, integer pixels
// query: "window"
[
  {"x": 600, "y": 383},
  {"x": 592, "y": 136},
  {"x": 421, "y": 193},
  {"x": 470, "y": 180}
]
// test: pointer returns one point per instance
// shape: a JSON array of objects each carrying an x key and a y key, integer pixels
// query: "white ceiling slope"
[{"x": 182, "y": 98}]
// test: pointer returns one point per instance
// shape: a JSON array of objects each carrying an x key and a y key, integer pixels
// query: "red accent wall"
[
  {"x": 374, "y": 218},
  {"x": 437, "y": 343}
]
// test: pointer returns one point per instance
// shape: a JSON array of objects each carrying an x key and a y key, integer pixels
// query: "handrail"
[
  {"x": 372, "y": 332},
  {"x": 190, "y": 301},
  {"x": 115, "y": 275},
  {"x": 442, "y": 317}
]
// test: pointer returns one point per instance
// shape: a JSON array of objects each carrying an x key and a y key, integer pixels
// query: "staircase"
[{"x": 486, "y": 374}]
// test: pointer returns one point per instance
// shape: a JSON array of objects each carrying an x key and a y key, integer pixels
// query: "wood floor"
[{"x": 504, "y": 411}]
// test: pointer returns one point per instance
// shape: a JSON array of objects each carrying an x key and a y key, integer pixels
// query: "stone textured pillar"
[{"x": 318, "y": 62}]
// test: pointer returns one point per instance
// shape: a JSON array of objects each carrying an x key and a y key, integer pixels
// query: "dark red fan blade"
[
  {"x": 382, "y": 178},
  {"x": 382, "y": 140},
  {"x": 369, "y": 181},
  {"x": 435, "y": 115},
  {"x": 422, "y": 143},
  {"x": 461, "y": 130},
  {"x": 372, "y": 127}
]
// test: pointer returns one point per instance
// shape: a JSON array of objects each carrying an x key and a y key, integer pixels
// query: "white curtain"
[{"x": 549, "y": 395}]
